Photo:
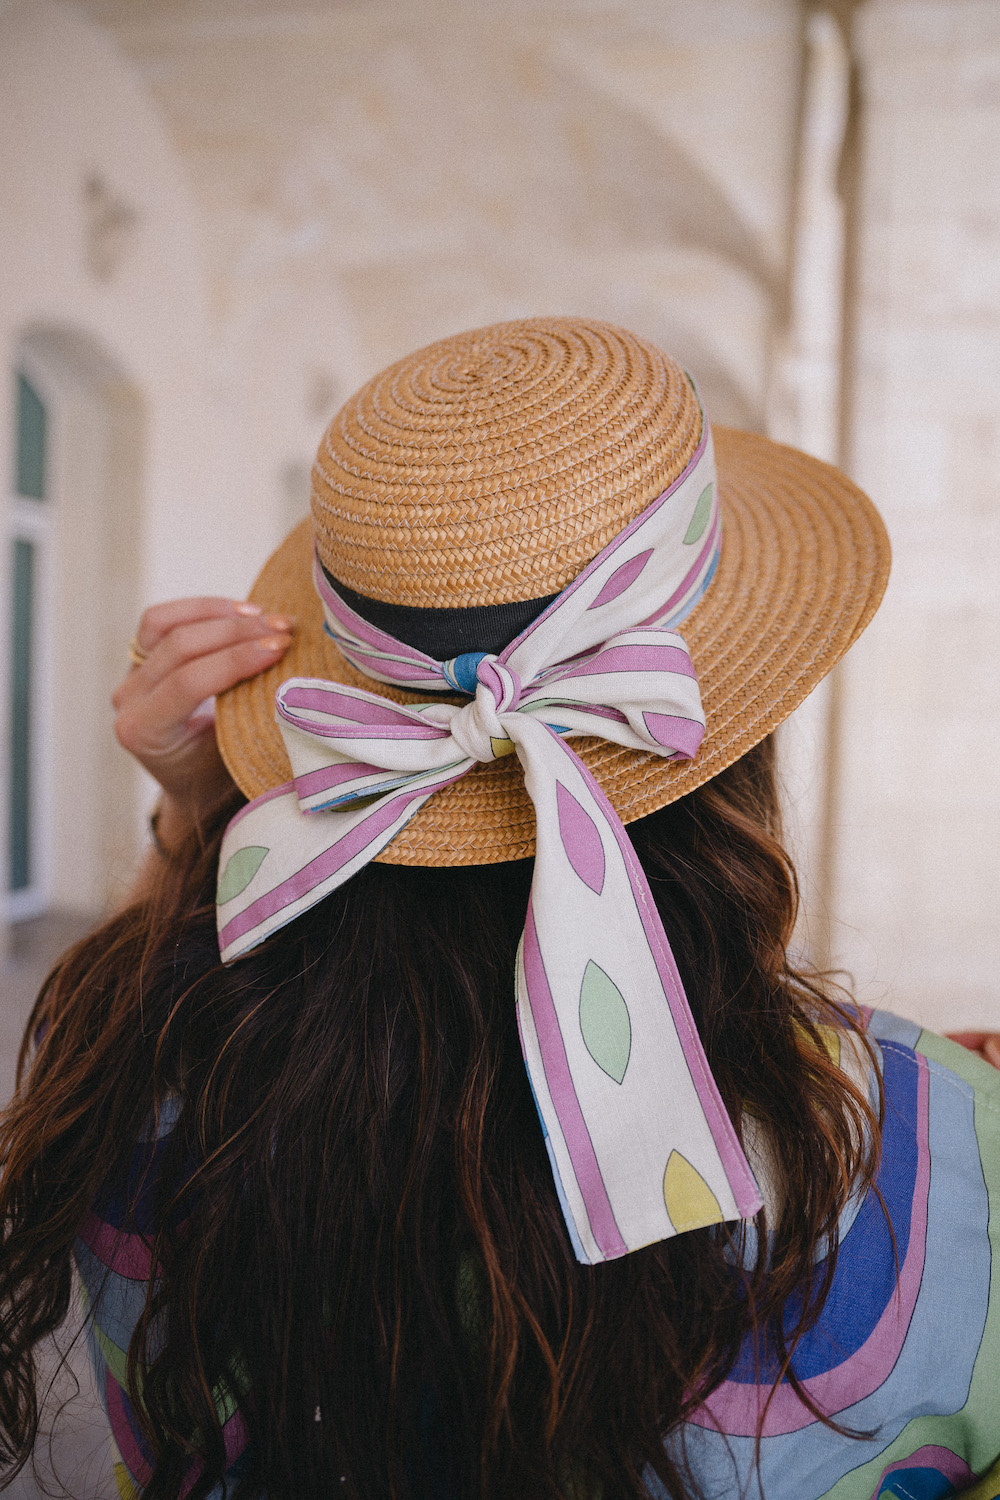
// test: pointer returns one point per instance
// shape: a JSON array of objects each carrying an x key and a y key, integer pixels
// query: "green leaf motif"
[
  {"x": 699, "y": 520},
  {"x": 605, "y": 1022},
  {"x": 239, "y": 871}
]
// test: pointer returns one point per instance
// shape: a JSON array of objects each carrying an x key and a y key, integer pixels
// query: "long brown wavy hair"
[{"x": 355, "y": 1220}]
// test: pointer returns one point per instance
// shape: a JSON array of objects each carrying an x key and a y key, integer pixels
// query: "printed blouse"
[{"x": 905, "y": 1355}]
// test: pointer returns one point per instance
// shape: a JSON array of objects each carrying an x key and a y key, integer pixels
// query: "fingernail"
[
  {"x": 247, "y": 608},
  {"x": 274, "y": 642},
  {"x": 279, "y": 622}
]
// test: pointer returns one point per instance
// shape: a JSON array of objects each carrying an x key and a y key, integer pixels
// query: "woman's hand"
[
  {"x": 986, "y": 1043},
  {"x": 194, "y": 648}
]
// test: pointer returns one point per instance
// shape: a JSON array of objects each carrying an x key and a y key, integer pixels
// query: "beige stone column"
[
  {"x": 805, "y": 410},
  {"x": 917, "y": 882}
]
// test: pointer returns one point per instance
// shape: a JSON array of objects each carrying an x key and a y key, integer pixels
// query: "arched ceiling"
[
  {"x": 444, "y": 162},
  {"x": 388, "y": 126}
]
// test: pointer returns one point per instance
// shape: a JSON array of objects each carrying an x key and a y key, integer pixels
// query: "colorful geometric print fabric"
[
  {"x": 113, "y": 1262},
  {"x": 909, "y": 1359},
  {"x": 640, "y": 1144},
  {"x": 907, "y": 1349}
]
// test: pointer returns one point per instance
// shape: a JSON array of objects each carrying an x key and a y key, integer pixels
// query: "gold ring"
[{"x": 136, "y": 655}]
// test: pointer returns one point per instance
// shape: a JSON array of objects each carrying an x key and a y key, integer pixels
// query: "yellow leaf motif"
[
  {"x": 830, "y": 1038},
  {"x": 501, "y": 747},
  {"x": 123, "y": 1483},
  {"x": 689, "y": 1199}
]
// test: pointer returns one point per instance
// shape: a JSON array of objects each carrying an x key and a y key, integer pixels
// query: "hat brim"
[{"x": 804, "y": 565}]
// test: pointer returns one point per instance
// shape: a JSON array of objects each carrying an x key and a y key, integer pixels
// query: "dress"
[{"x": 906, "y": 1351}]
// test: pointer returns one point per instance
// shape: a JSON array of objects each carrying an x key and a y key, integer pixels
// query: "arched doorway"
[{"x": 73, "y": 549}]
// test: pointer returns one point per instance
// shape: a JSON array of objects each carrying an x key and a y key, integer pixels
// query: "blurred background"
[{"x": 218, "y": 217}]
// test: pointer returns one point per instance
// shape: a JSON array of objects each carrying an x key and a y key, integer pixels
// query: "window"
[{"x": 30, "y": 522}]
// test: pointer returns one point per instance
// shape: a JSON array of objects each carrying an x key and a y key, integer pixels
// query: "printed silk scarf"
[{"x": 640, "y": 1144}]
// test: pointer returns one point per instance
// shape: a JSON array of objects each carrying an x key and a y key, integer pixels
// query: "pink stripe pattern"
[
  {"x": 124, "y": 1253},
  {"x": 618, "y": 1072},
  {"x": 745, "y": 1409}
]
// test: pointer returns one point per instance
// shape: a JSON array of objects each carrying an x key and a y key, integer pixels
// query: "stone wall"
[{"x": 917, "y": 887}]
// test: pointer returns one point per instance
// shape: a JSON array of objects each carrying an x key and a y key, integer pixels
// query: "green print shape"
[
  {"x": 239, "y": 872},
  {"x": 605, "y": 1022},
  {"x": 699, "y": 520},
  {"x": 689, "y": 1200}
]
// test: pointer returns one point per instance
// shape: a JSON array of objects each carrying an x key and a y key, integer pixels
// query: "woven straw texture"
[
  {"x": 494, "y": 465},
  {"x": 804, "y": 564}
]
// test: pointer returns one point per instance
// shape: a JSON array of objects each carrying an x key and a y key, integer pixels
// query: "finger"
[
  {"x": 160, "y": 619},
  {"x": 203, "y": 638},
  {"x": 991, "y": 1049},
  {"x": 158, "y": 720},
  {"x": 186, "y": 642}
]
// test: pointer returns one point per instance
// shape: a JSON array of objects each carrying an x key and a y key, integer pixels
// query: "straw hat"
[{"x": 490, "y": 468}]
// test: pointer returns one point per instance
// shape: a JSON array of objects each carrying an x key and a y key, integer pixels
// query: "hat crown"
[{"x": 495, "y": 465}]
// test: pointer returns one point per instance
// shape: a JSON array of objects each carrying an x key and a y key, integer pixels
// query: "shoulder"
[
  {"x": 956, "y": 1066},
  {"x": 907, "y": 1349},
  {"x": 950, "y": 1101},
  {"x": 941, "y": 1415}
]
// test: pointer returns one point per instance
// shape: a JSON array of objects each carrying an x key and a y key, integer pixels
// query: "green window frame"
[
  {"x": 22, "y": 644},
  {"x": 31, "y": 441},
  {"x": 30, "y": 473}
]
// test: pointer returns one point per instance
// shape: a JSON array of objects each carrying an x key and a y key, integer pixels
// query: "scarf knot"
[{"x": 477, "y": 727}]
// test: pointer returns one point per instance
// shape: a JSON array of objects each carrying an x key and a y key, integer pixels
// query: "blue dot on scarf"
[{"x": 462, "y": 670}]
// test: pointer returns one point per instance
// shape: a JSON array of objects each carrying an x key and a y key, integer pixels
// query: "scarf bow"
[{"x": 640, "y": 1143}]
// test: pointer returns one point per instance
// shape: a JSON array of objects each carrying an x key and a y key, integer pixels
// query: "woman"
[{"x": 445, "y": 1117}]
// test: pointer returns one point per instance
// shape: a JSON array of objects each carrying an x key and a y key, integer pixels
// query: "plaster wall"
[
  {"x": 73, "y": 114},
  {"x": 112, "y": 311}
]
